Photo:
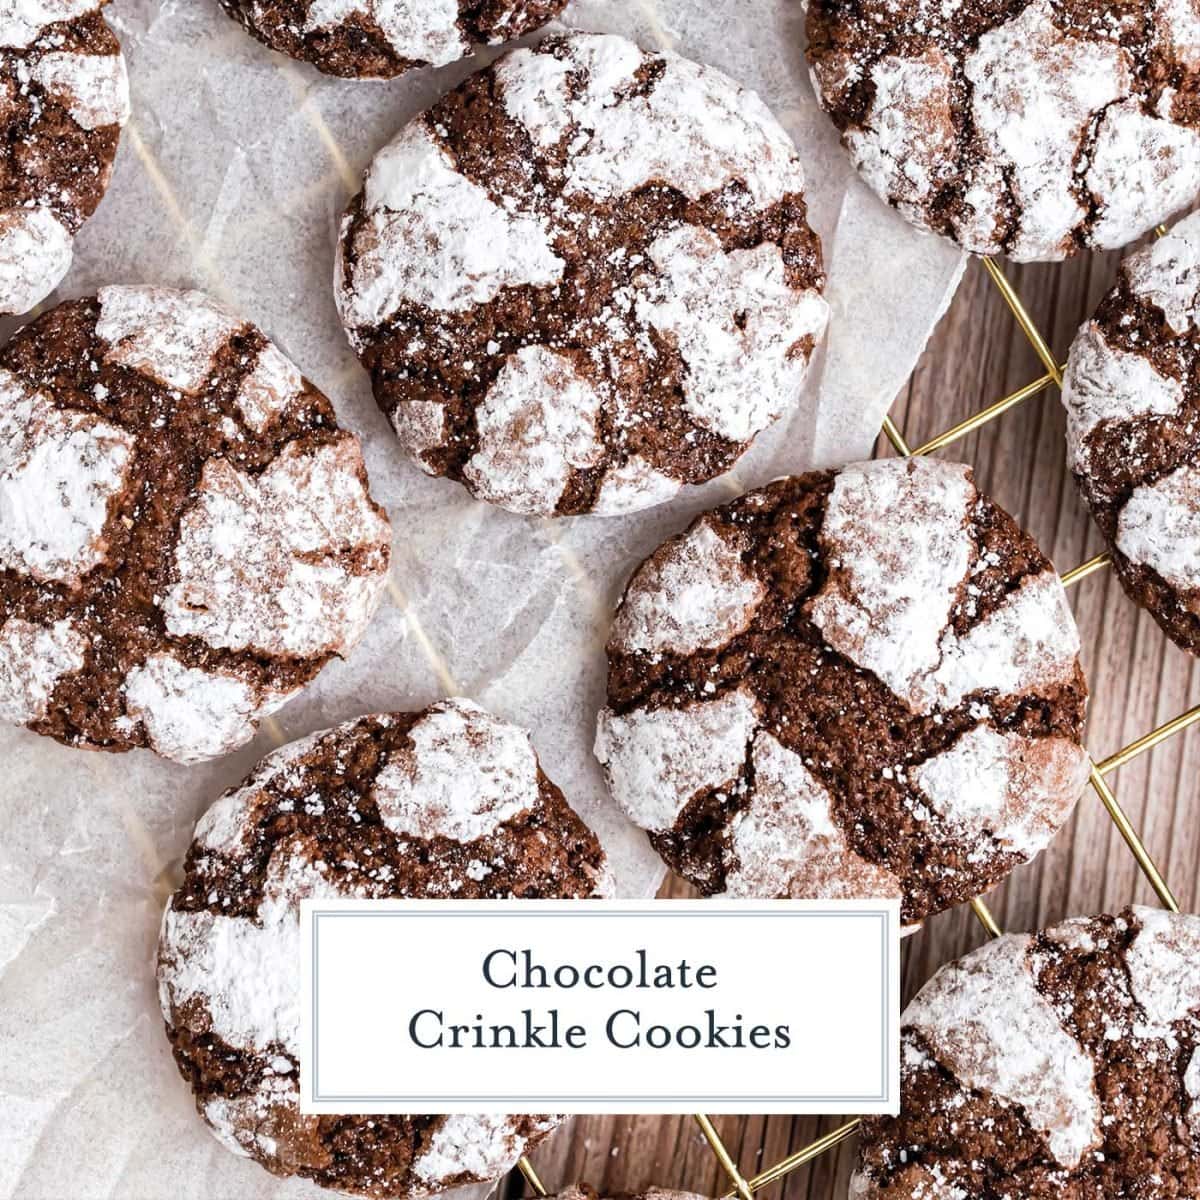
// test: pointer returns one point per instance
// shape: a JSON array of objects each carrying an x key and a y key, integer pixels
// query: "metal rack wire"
[{"x": 744, "y": 1187}]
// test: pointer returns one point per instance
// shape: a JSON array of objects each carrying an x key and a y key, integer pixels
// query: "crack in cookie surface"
[
  {"x": 186, "y": 535},
  {"x": 1132, "y": 395},
  {"x": 449, "y": 802},
  {"x": 63, "y": 99},
  {"x": 584, "y": 278},
  {"x": 850, "y": 683},
  {"x": 1061, "y": 1063},
  {"x": 1033, "y": 128}
]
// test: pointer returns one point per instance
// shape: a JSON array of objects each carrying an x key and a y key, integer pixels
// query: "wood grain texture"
[{"x": 1138, "y": 680}]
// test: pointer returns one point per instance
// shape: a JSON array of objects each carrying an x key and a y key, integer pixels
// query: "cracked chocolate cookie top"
[
  {"x": 364, "y": 39},
  {"x": 186, "y": 536},
  {"x": 1032, "y": 128},
  {"x": 448, "y": 802},
  {"x": 583, "y": 278},
  {"x": 852, "y": 683},
  {"x": 63, "y": 99},
  {"x": 1132, "y": 393},
  {"x": 1063, "y": 1063}
]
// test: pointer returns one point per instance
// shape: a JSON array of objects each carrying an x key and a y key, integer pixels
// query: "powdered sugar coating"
[
  {"x": 786, "y": 843},
  {"x": 93, "y": 88},
  {"x": 24, "y": 20},
  {"x": 290, "y": 562},
  {"x": 421, "y": 30},
  {"x": 1133, "y": 438},
  {"x": 33, "y": 658},
  {"x": 64, "y": 96},
  {"x": 492, "y": 243},
  {"x": 467, "y": 774},
  {"x": 695, "y": 593},
  {"x": 59, "y": 472},
  {"x": 631, "y": 486},
  {"x": 695, "y": 131},
  {"x": 35, "y": 253},
  {"x": 171, "y": 336},
  {"x": 481, "y": 1145},
  {"x": 269, "y": 389},
  {"x": 1163, "y": 971},
  {"x": 888, "y": 600},
  {"x": 1159, "y": 526},
  {"x": 178, "y": 491},
  {"x": 1020, "y": 791},
  {"x": 1166, "y": 273},
  {"x": 190, "y": 714},
  {"x": 1030, "y": 129},
  {"x": 1032, "y": 1061},
  {"x": 536, "y": 425},
  {"x": 306, "y": 824},
  {"x": 657, "y": 760},
  {"x": 1106, "y": 383},
  {"x": 1030, "y": 642},
  {"x": 743, "y": 333},
  {"x": 470, "y": 247}
]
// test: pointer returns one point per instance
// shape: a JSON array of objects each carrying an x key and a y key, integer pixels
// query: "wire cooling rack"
[{"x": 1101, "y": 768}]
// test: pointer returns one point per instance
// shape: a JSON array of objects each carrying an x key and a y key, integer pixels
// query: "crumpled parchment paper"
[{"x": 231, "y": 177}]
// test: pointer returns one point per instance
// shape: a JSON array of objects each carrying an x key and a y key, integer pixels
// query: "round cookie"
[
  {"x": 445, "y": 803},
  {"x": 1132, "y": 394},
  {"x": 1031, "y": 128},
  {"x": 186, "y": 536},
  {"x": 63, "y": 99},
  {"x": 376, "y": 39},
  {"x": 1063, "y": 1063},
  {"x": 860, "y": 682},
  {"x": 583, "y": 278}
]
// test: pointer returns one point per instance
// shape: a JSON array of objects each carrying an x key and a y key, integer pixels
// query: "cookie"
[
  {"x": 377, "y": 39},
  {"x": 64, "y": 96},
  {"x": 860, "y": 682},
  {"x": 1063, "y": 1063},
  {"x": 584, "y": 278},
  {"x": 445, "y": 803},
  {"x": 1031, "y": 128},
  {"x": 186, "y": 536},
  {"x": 1133, "y": 427}
]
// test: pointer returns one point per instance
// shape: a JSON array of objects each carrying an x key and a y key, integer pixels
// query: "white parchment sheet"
[{"x": 231, "y": 177}]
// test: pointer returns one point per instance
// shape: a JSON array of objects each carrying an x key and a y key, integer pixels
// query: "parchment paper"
[{"x": 231, "y": 177}]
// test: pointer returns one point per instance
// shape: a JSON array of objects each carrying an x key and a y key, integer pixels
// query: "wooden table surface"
[{"x": 1138, "y": 680}]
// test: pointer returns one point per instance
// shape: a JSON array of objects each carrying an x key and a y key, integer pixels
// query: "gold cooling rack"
[{"x": 744, "y": 1187}]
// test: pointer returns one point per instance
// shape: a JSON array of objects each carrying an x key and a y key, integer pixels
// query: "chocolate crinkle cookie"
[
  {"x": 1132, "y": 393},
  {"x": 1031, "y": 128},
  {"x": 365, "y": 39},
  {"x": 1059, "y": 1064},
  {"x": 448, "y": 802},
  {"x": 186, "y": 536},
  {"x": 584, "y": 278},
  {"x": 63, "y": 99},
  {"x": 860, "y": 682}
]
